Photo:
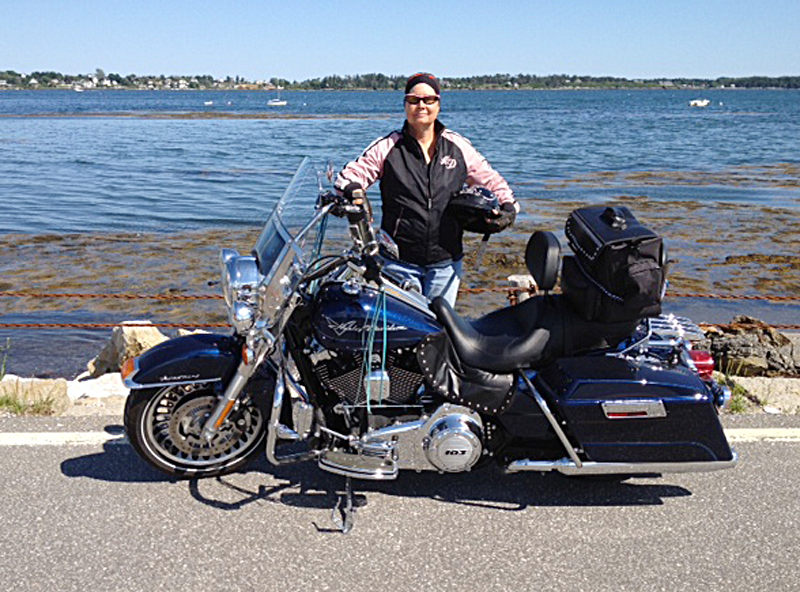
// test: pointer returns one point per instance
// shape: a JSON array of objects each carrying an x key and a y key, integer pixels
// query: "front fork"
[
  {"x": 253, "y": 355},
  {"x": 275, "y": 430}
]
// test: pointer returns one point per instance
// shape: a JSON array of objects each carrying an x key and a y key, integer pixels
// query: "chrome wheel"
[{"x": 166, "y": 426}]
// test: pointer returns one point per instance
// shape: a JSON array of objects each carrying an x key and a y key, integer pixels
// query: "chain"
[
  {"x": 179, "y": 297},
  {"x": 735, "y": 297},
  {"x": 114, "y": 296},
  {"x": 107, "y": 325}
]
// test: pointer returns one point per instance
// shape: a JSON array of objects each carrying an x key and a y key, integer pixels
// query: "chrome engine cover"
[
  {"x": 454, "y": 443},
  {"x": 450, "y": 440}
]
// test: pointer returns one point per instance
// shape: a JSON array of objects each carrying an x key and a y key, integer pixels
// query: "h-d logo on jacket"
[{"x": 448, "y": 162}]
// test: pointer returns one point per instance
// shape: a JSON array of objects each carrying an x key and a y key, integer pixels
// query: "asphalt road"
[{"x": 94, "y": 517}]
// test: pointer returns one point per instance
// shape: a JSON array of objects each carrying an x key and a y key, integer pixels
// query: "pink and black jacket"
[{"x": 415, "y": 194}]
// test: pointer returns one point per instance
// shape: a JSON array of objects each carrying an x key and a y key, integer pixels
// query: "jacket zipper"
[{"x": 397, "y": 222}]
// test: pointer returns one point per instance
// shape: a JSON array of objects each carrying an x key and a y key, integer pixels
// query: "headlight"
[
  {"x": 242, "y": 316},
  {"x": 240, "y": 279}
]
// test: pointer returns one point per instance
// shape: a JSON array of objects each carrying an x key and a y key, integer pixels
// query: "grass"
[
  {"x": 742, "y": 400},
  {"x": 740, "y": 397},
  {"x": 15, "y": 403}
]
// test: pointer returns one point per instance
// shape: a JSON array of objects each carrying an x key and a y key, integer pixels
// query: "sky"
[{"x": 304, "y": 39}]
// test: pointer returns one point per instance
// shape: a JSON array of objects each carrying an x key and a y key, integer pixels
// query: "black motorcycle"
[{"x": 345, "y": 365}]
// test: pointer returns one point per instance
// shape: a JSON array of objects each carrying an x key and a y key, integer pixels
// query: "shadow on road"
[{"x": 305, "y": 485}]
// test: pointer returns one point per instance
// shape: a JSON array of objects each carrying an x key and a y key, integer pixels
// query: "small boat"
[
  {"x": 208, "y": 103},
  {"x": 699, "y": 102},
  {"x": 277, "y": 101}
]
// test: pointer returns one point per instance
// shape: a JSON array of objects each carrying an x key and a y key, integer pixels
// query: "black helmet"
[{"x": 472, "y": 206}]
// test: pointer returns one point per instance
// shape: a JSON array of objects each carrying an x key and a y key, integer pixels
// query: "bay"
[{"x": 101, "y": 160}]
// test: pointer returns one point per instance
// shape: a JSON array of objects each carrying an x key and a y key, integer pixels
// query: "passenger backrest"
[{"x": 543, "y": 258}]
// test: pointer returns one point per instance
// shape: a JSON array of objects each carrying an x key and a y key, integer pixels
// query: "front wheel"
[{"x": 165, "y": 425}]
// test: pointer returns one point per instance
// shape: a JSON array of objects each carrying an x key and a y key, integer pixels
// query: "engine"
[{"x": 343, "y": 374}]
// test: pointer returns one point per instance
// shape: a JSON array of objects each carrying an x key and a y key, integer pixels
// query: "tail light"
[{"x": 703, "y": 362}]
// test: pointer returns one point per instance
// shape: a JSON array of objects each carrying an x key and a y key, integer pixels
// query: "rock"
[
  {"x": 781, "y": 394},
  {"x": 126, "y": 342},
  {"x": 85, "y": 387},
  {"x": 750, "y": 347},
  {"x": 50, "y": 394},
  {"x": 751, "y": 366},
  {"x": 185, "y": 332},
  {"x": 795, "y": 339}
]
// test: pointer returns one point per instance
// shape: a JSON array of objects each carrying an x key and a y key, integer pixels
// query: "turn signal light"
[{"x": 128, "y": 368}]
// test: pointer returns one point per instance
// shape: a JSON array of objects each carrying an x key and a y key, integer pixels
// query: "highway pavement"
[{"x": 80, "y": 511}]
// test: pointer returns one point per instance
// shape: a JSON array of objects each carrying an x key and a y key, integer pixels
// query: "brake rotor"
[{"x": 186, "y": 429}]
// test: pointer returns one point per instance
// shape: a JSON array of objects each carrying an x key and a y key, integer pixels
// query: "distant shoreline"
[
  {"x": 377, "y": 81},
  {"x": 391, "y": 90}
]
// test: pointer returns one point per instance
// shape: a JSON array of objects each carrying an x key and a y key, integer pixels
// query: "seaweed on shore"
[{"x": 736, "y": 249}]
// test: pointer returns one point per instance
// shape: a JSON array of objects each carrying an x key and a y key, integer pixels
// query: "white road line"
[
  {"x": 763, "y": 435},
  {"x": 734, "y": 435},
  {"x": 60, "y": 438}
]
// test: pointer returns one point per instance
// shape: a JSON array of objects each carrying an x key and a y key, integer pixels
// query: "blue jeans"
[{"x": 438, "y": 279}]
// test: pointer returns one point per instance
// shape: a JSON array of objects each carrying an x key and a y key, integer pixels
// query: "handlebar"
[
  {"x": 360, "y": 219},
  {"x": 358, "y": 211}
]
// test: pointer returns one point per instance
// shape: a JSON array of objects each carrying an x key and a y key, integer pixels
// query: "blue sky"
[{"x": 301, "y": 39}]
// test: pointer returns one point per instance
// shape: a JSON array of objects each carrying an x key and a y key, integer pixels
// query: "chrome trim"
[
  {"x": 553, "y": 422},
  {"x": 669, "y": 327},
  {"x": 130, "y": 384},
  {"x": 727, "y": 397},
  {"x": 633, "y": 409},
  {"x": 232, "y": 391},
  {"x": 274, "y": 428},
  {"x": 567, "y": 467},
  {"x": 242, "y": 317},
  {"x": 641, "y": 343},
  {"x": 413, "y": 299},
  {"x": 297, "y": 389},
  {"x": 358, "y": 466}
]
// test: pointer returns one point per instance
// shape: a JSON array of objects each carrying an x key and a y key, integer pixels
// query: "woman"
[{"x": 420, "y": 167}]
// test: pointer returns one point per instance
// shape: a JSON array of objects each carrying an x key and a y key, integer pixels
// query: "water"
[
  {"x": 108, "y": 165},
  {"x": 97, "y": 161}
]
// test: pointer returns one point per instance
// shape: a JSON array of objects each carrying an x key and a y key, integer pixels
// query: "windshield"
[{"x": 293, "y": 211}]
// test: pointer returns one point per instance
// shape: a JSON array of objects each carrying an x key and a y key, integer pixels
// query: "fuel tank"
[{"x": 344, "y": 316}]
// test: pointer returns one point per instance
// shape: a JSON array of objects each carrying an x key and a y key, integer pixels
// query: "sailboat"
[{"x": 277, "y": 101}]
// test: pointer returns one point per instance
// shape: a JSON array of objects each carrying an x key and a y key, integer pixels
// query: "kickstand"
[{"x": 344, "y": 512}]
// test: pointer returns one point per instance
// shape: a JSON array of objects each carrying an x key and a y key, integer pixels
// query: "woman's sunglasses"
[{"x": 427, "y": 99}]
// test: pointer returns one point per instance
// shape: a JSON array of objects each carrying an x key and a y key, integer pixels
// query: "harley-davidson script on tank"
[{"x": 344, "y": 316}]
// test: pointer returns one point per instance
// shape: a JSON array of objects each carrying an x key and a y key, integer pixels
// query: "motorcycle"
[{"x": 334, "y": 359}]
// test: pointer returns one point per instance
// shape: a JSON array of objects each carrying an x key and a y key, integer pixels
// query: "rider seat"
[{"x": 516, "y": 336}]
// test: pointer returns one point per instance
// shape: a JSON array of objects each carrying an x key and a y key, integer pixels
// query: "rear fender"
[{"x": 204, "y": 357}]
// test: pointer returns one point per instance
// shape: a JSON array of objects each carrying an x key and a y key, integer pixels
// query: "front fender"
[{"x": 203, "y": 357}]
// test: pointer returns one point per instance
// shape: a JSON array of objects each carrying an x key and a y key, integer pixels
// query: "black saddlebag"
[
  {"x": 620, "y": 411},
  {"x": 619, "y": 268}
]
